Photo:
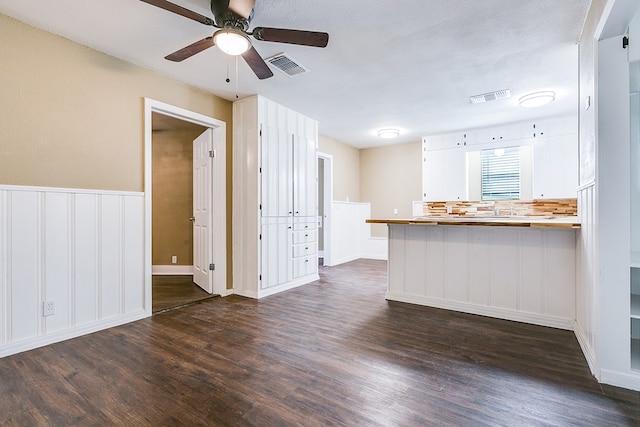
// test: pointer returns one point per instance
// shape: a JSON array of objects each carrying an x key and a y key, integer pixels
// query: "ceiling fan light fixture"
[
  {"x": 537, "y": 99},
  {"x": 231, "y": 41},
  {"x": 388, "y": 133}
]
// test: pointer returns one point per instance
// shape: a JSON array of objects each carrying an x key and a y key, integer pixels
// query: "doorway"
[
  {"x": 172, "y": 244},
  {"x": 325, "y": 196},
  {"x": 170, "y": 133}
]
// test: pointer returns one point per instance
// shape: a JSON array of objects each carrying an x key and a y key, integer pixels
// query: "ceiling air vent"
[
  {"x": 491, "y": 96},
  {"x": 286, "y": 64}
]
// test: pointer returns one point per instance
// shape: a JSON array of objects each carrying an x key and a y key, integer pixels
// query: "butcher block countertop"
[{"x": 491, "y": 221}]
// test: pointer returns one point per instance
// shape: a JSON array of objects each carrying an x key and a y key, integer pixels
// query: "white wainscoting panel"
[
  {"x": 82, "y": 249},
  {"x": 586, "y": 271},
  {"x": 520, "y": 274},
  {"x": 351, "y": 235}
]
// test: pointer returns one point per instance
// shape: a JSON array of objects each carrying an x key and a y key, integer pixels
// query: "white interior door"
[{"x": 202, "y": 240}]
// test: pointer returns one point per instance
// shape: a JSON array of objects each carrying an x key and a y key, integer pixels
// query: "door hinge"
[
  {"x": 261, "y": 131},
  {"x": 212, "y": 153},
  {"x": 260, "y": 277},
  {"x": 212, "y": 267},
  {"x": 260, "y": 237},
  {"x": 625, "y": 42}
]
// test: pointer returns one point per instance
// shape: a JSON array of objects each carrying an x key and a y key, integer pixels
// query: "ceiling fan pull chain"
[
  {"x": 227, "y": 79},
  {"x": 236, "y": 77}
]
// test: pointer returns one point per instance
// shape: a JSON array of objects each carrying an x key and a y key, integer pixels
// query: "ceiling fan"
[{"x": 232, "y": 18}]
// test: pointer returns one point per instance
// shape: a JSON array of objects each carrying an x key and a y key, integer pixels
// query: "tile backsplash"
[{"x": 536, "y": 207}]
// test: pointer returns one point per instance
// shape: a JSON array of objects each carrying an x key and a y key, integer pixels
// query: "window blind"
[{"x": 501, "y": 174}]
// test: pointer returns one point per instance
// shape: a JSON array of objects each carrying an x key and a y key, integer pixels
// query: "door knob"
[{"x": 192, "y": 218}]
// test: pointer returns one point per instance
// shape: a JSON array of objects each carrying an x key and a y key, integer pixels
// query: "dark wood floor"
[
  {"x": 330, "y": 353},
  {"x": 175, "y": 291}
]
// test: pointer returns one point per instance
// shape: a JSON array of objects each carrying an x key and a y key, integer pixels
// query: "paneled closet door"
[
  {"x": 276, "y": 251},
  {"x": 305, "y": 166},
  {"x": 276, "y": 172}
]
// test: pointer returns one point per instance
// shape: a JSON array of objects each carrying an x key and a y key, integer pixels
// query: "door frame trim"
[{"x": 218, "y": 187}]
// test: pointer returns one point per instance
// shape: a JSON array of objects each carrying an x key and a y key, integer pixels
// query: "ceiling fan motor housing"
[{"x": 226, "y": 18}]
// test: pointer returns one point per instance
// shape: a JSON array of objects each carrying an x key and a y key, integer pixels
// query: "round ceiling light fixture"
[
  {"x": 388, "y": 133},
  {"x": 537, "y": 99},
  {"x": 232, "y": 41}
]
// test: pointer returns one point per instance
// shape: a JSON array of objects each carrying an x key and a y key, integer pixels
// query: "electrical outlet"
[
  {"x": 174, "y": 259},
  {"x": 395, "y": 211},
  {"x": 49, "y": 308}
]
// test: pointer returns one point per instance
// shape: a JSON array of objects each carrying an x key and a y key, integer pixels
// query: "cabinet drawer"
[
  {"x": 305, "y": 249},
  {"x": 304, "y": 266},
  {"x": 305, "y": 236},
  {"x": 301, "y": 224}
]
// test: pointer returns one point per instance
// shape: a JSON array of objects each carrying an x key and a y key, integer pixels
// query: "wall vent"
[
  {"x": 286, "y": 64},
  {"x": 491, "y": 96}
]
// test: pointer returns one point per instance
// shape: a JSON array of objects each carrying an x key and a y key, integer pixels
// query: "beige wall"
[
  {"x": 73, "y": 117},
  {"x": 390, "y": 178},
  {"x": 346, "y": 168},
  {"x": 172, "y": 232}
]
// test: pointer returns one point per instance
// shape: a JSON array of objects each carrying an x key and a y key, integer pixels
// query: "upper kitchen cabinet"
[
  {"x": 441, "y": 142},
  {"x": 444, "y": 175},
  {"x": 451, "y": 168},
  {"x": 555, "y": 167}
]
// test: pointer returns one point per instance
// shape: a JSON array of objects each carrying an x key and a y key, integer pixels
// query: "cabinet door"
[
  {"x": 441, "y": 142},
  {"x": 555, "y": 167},
  {"x": 483, "y": 136},
  {"x": 305, "y": 164},
  {"x": 276, "y": 252},
  {"x": 276, "y": 177},
  {"x": 445, "y": 175}
]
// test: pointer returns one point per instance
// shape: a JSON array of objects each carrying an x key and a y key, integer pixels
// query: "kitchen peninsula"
[{"x": 519, "y": 268}]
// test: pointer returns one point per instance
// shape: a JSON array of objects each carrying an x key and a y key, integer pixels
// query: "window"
[{"x": 501, "y": 174}]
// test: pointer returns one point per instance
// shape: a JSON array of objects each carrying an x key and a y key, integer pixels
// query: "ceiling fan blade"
[
  {"x": 242, "y": 8},
  {"x": 163, "y": 4},
  {"x": 282, "y": 35},
  {"x": 192, "y": 49},
  {"x": 257, "y": 64}
]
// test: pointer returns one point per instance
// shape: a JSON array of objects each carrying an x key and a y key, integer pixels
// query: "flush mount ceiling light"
[
  {"x": 231, "y": 41},
  {"x": 537, "y": 99},
  {"x": 388, "y": 133}
]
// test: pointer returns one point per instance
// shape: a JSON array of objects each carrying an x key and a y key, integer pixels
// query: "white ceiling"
[{"x": 409, "y": 64}]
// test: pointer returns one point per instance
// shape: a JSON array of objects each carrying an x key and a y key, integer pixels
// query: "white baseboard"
[
  {"x": 227, "y": 292},
  {"x": 587, "y": 350},
  {"x": 621, "y": 379},
  {"x": 342, "y": 261},
  {"x": 277, "y": 289},
  {"x": 374, "y": 256},
  {"x": 54, "y": 337},
  {"x": 499, "y": 313},
  {"x": 172, "y": 270}
]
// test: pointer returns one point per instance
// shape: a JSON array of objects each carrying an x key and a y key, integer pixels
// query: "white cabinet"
[
  {"x": 635, "y": 314},
  {"x": 440, "y": 142},
  {"x": 274, "y": 197},
  {"x": 555, "y": 167},
  {"x": 496, "y": 135},
  {"x": 444, "y": 175}
]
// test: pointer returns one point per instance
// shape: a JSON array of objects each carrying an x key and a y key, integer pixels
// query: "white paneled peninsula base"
[{"x": 515, "y": 270}]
